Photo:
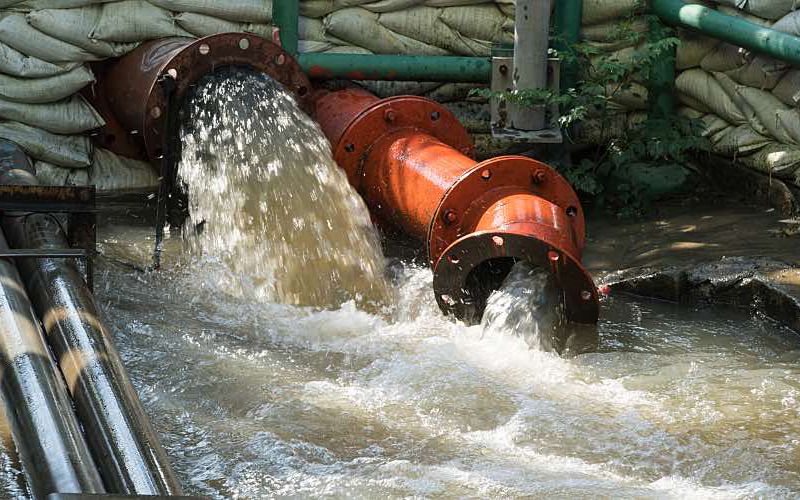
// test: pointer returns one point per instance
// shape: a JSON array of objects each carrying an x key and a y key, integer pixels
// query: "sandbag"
[
  {"x": 40, "y": 90},
  {"x": 392, "y": 88},
  {"x": 703, "y": 87},
  {"x": 611, "y": 31},
  {"x": 767, "y": 109},
  {"x": 425, "y": 24},
  {"x": 725, "y": 57},
  {"x": 775, "y": 159},
  {"x": 15, "y": 63},
  {"x": 692, "y": 50},
  {"x": 712, "y": 124},
  {"x": 735, "y": 141},
  {"x": 479, "y": 22},
  {"x": 53, "y": 175},
  {"x": 112, "y": 173},
  {"x": 201, "y": 25},
  {"x": 64, "y": 150},
  {"x": 135, "y": 21},
  {"x": 29, "y": 5},
  {"x": 243, "y": 11},
  {"x": 767, "y": 9},
  {"x": 361, "y": 27},
  {"x": 599, "y": 11},
  {"x": 74, "y": 26},
  {"x": 70, "y": 116},
  {"x": 314, "y": 29},
  {"x": 788, "y": 88},
  {"x": 316, "y": 8},
  {"x": 18, "y": 34}
]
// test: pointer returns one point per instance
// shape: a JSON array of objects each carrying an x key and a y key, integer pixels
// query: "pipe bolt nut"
[
  {"x": 390, "y": 116},
  {"x": 539, "y": 177},
  {"x": 450, "y": 216}
]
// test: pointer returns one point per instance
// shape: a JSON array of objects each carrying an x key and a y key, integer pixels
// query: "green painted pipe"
[
  {"x": 661, "y": 87},
  {"x": 403, "y": 68},
  {"x": 731, "y": 29},
  {"x": 286, "y": 16},
  {"x": 567, "y": 27}
]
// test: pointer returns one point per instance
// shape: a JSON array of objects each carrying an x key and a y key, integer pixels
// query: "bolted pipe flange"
[
  {"x": 132, "y": 97},
  {"x": 408, "y": 112}
]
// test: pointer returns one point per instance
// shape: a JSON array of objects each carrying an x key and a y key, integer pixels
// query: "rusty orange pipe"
[
  {"x": 132, "y": 97},
  {"x": 410, "y": 159}
]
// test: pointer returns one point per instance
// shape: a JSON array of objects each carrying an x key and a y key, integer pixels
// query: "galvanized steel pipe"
[
  {"x": 410, "y": 159},
  {"x": 125, "y": 446},
  {"x": 54, "y": 454}
]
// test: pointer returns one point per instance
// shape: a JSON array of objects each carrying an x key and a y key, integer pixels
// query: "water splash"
[
  {"x": 530, "y": 304},
  {"x": 277, "y": 213}
]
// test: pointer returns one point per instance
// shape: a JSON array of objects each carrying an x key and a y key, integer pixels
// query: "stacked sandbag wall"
[{"x": 747, "y": 102}]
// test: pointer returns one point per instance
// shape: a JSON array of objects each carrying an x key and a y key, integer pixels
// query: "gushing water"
[
  {"x": 528, "y": 304},
  {"x": 276, "y": 211}
]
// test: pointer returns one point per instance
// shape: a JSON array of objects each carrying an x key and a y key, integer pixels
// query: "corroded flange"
[
  {"x": 467, "y": 199},
  {"x": 455, "y": 283},
  {"x": 392, "y": 115},
  {"x": 132, "y": 90}
]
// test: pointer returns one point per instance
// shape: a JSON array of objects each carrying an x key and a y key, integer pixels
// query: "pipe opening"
[{"x": 484, "y": 279}]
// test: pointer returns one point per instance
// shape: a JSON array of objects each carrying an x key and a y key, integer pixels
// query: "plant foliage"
[{"x": 640, "y": 161}]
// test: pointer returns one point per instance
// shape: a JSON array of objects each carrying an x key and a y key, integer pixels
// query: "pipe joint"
[{"x": 415, "y": 172}]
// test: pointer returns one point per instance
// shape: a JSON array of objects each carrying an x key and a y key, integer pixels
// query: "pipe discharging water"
[{"x": 275, "y": 210}]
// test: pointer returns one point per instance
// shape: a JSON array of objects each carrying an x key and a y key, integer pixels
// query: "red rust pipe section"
[
  {"x": 411, "y": 160},
  {"x": 132, "y": 95}
]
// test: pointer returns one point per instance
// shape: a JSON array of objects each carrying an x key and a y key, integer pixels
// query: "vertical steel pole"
[
  {"x": 286, "y": 15},
  {"x": 531, "y": 41}
]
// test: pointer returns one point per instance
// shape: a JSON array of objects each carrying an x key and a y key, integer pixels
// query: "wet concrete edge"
[{"x": 768, "y": 286}]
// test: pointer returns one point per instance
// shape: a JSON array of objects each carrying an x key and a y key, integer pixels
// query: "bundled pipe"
[
  {"x": 128, "y": 453},
  {"x": 47, "y": 433}
]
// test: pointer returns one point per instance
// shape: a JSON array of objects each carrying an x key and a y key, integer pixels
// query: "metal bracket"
[
  {"x": 502, "y": 81},
  {"x": 78, "y": 203}
]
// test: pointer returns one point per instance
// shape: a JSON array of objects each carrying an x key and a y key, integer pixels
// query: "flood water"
[
  {"x": 256, "y": 399},
  {"x": 264, "y": 381}
]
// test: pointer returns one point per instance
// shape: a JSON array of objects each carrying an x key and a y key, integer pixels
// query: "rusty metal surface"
[
  {"x": 484, "y": 184},
  {"x": 411, "y": 161},
  {"x": 458, "y": 275},
  {"x": 131, "y": 89},
  {"x": 335, "y": 111},
  {"x": 410, "y": 114},
  {"x": 47, "y": 198}
]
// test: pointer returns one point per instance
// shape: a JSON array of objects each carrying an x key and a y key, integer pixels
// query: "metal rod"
[
  {"x": 54, "y": 454},
  {"x": 403, "y": 68},
  {"x": 124, "y": 443},
  {"x": 38, "y": 254},
  {"x": 531, "y": 41},
  {"x": 286, "y": 16},
  {"x": 731, "y": 29}
]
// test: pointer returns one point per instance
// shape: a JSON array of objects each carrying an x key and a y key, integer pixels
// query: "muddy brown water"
[
  {"x": 258, "y": 392},
  {"x": 255, "y": 399}
]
